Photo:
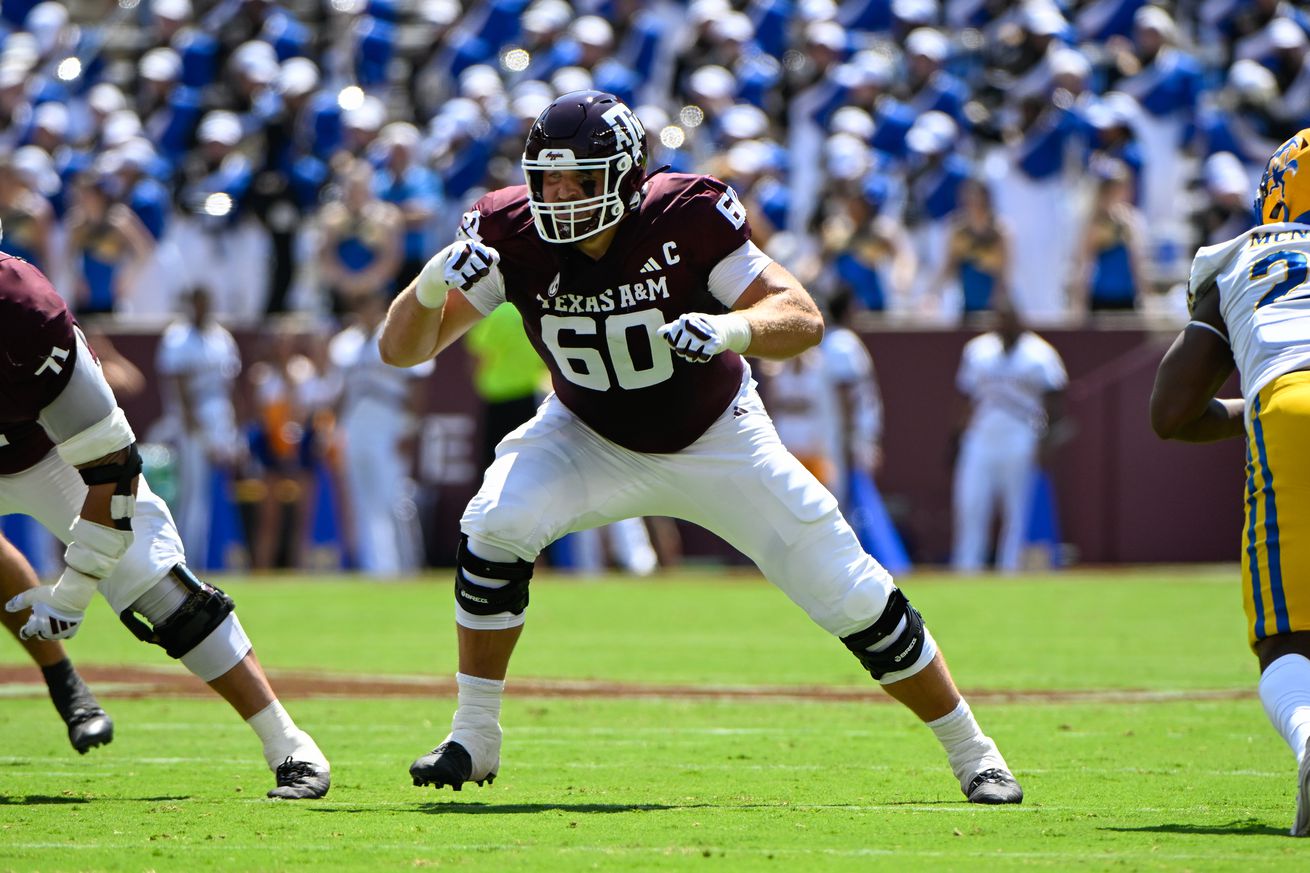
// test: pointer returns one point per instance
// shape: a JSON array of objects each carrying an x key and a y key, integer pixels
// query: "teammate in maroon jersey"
[
  {"x": 641, "y": 292},
  {"x": 88, "y": 724},
  {"x": 68, "y": 459}
]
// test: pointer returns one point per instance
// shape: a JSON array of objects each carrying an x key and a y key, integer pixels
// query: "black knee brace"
[
  {"x": 481, "y": 600},
  {"x": 204, "y": 609},
  {"x": 905, "y": 647}
]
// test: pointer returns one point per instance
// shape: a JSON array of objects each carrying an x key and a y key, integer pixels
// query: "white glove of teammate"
[
  {"x": 459, "y": 265},
  {"x": 697, "y": 337},
  {"x": 58, "y": 609}
]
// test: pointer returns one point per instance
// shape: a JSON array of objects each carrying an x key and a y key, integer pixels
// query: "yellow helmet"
[{"x": 1284, "y": 193}]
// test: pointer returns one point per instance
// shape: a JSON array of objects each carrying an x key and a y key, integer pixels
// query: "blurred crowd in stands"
[{"x": 923, "y": 154}]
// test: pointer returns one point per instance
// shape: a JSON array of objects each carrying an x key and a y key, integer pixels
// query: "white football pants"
[
  {"x": 52, "y": 492},
  {"x": 554, "y": 475}
]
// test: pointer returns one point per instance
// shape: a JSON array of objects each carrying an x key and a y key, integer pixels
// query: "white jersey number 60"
[{"x": 585, "y": 366}]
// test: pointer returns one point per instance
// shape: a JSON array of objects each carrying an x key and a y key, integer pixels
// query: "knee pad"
[
  {"x": 893, "y": 643},
  {"x": 478, "y": 599},
  {"x": 219, "y": 652},
  {"x": 203, "y": 609}
]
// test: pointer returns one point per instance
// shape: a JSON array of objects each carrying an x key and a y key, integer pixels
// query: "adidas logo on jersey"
[{"x": 651, "y": 266}]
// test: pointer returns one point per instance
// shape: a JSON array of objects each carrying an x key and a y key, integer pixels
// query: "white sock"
[
  {"x": 968, "y": 749},
  {"x": 476, "y": 725},
  {"x": 1285, "y": 693},
  {"x": 479, "y": 704},
  {"x": 281, "y": 737}
]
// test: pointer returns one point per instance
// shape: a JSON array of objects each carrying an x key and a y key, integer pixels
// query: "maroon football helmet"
[{"x": 585, "y": 131}]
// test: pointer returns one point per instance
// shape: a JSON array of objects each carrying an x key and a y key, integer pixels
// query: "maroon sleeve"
[
  {"x": 36, "y": 333},
  {"x": 37, "y": 352},
  {"x": 498, "y": 216}
]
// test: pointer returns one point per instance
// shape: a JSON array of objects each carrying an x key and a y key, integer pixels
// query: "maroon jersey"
[
  {"x": 594, "y": 323},
  {"x": 37, "y": 351}
]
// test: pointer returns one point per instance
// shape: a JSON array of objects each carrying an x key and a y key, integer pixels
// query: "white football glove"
[
  {"x": 459, "y": 265},
  {"x": 697, "y": 337},
  {"x": 57, "y": 610}
]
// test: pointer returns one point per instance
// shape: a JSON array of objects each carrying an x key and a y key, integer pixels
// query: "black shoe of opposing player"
[
  {"x": 301, "y": 780},
  {"x": 994, "y": 786},
  {"x": 447, "y": 764},
  {"x": 88, "y": 727}
]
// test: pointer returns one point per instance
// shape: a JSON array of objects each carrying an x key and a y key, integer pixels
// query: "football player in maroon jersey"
[
  {"x": 68, "y": 459},
  {"x": 641, "y": 292}
]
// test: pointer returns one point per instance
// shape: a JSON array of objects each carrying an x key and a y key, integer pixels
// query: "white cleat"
[{"x": 1301, "y": 826}]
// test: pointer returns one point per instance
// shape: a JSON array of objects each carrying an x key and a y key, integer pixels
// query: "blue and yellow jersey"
[
  {"x": 1262, "y": 278},
  {"x": 1263, "y": 281},
  {"x": 1263, "y": 284}
]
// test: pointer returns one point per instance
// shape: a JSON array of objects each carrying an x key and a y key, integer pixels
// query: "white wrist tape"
[
  {"x": 122, "y": 506},
  {"x": 431, "y": 288},
  {"x": 736, "y": 331},
  {"x": 96, "y": 549},
  {"x": 105, "y": 437},
  {"x": 74, "y": 590}
]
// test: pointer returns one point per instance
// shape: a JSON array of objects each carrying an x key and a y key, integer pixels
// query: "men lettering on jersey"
[
  {"x": 654, "y": 412},
  {"x": 1250, "y": 310}
]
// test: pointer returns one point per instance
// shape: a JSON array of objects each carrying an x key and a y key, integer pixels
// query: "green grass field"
[{"x": 1171, "y": 766}]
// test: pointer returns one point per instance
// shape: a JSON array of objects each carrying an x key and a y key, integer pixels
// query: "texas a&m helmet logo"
[{"x": 629, "y": 134}]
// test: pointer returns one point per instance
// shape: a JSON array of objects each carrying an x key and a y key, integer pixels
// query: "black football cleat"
[
  {"x": 300, "y": 780},
  {"x": 88, "y": 727},
  {"x": 994, "y": 786},
  {"x": 447, "y": 764}
]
